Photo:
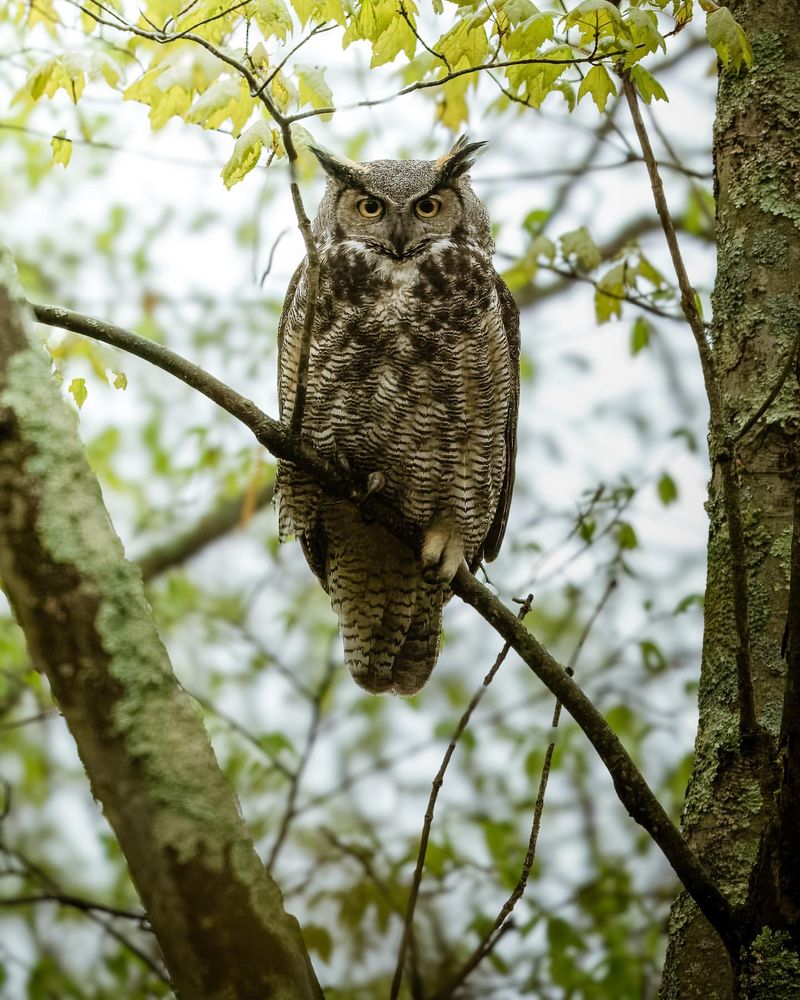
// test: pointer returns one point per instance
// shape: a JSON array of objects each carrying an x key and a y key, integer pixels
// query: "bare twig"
[
  {"x": 76, "y": 903},
  {"x": 501, "y": 925},
  {"x": 721, "y": 439},
  {"x": 271, "y": 257},
  {"x": 98, "y": 913},
  {"x": 43, "y": 716},
  {"x": 209, "y": 529},
  {"x": 290, "y": 811},
  {"x": 438, "y": 55},
  {"x": 438, "y": 781},
  {"x": 631, "y": 787},
  {"x": 235, "y": 726}
]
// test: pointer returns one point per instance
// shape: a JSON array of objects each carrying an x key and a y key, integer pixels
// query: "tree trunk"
[
  {"x": 218, "y": 917},
  {"x": 736, "y": 807}
]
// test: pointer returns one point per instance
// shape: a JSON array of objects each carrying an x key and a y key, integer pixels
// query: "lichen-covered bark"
[
  {"x": 218, "y": 917},
  {"x": 731, "y": 799}
]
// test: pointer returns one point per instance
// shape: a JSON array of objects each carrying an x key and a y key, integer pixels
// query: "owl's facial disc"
[{"x": 400, "y": 231}]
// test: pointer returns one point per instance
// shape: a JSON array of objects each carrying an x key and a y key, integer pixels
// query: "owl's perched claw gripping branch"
[{"x": 413, "y": 370}]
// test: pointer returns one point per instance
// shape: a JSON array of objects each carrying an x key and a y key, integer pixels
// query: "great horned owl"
[{"x": 413, "y": 385}]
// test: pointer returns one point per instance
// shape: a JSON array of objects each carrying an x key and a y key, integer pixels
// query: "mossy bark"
[
  {"x": 732, "y": 802},
  {"x": 218, "y": 917}
]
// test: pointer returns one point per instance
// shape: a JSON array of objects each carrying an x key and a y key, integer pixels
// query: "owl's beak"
[{"x": 397, "y": 238}]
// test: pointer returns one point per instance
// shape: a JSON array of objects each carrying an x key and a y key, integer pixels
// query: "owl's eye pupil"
[
  {"x": 370, "y": 208},
  {"x": 426, "y": 208}
]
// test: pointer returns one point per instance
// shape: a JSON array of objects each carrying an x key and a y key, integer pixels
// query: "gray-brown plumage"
[{"x": 413, "y": 386}]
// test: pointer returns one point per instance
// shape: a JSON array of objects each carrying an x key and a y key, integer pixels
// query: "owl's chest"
[{"x": 414, "y": 310}]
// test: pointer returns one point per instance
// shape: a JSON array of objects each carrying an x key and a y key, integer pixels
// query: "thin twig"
[
  {"x": 438, "y": 55},
  {"x": 501, "y": 925},
  {"x": 362, "y": 858},
  {"x": 290, "y": 810},
  {"x": 209, "y": 529},
  {"x": 32, "y": 870},
  {"x": 43, "y": 716},
  {"x": 438, "y": 781},
  {"x": 76, "y": 903},
  {"x": 722, "y": 444},
  {"x": 235, "y": 726},
  {"x": 271, "y": 257}
]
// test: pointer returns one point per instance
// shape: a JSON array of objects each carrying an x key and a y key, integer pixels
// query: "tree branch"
[
  {"x": 209, "y": 529},
  {"x": 721, "y": 437},
  {"x": 632, "y": 789}
]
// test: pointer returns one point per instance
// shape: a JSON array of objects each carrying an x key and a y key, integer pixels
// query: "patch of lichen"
[
  {"x": 765, "y": 178},
  {"x": 770, "y": 249},
  {"x": 772, "y": 968}
]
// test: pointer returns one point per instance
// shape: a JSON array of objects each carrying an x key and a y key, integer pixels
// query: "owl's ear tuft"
[
  {"x": 459, "y": 160},
  {"x": 338, "y": 167}
]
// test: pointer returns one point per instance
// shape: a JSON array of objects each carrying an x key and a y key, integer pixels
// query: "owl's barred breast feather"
[{"x": 412, "y": 374}]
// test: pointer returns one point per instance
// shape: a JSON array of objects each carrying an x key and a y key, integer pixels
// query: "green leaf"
[
  {"x": 61, "y": 147},
  {"x": 77, "y": 389},
  {"x": 647, "y": 85},
  {"x": 312, "y": 87},
  {"x": 246, "y": 152},
  {"x": 626, "y": 536},
  {"x": 599, "y": 84},
  {"x": 653, "y": 660},
  {"x": 727, "y": 37},
  {"x": 690, "y": 601},
  {"x": 579, "y": 244},
  {"x": 120, "y": 380},
  {"x": 594, "y": 19},
  {"x": 667, "y": 490},
  {"x": 397, "y": 38},
  {"x": 640, "y": 335},
  {"x": 274, "y": 19},
  {"x": 224, "y": 99},
  {"x": 318, "y": 940},
  {"x": 535, "y": 81},
  {"x": 609, "y": 293}
]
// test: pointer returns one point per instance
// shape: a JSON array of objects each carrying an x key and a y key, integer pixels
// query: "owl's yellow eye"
[
  {"x": 369, "y": 208},
  {"x": 427, "y": 208}
]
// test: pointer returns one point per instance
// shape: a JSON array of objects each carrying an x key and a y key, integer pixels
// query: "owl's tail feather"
[
  {"x": 416, "y": 657},
  {"x": 389, "y": 616}
]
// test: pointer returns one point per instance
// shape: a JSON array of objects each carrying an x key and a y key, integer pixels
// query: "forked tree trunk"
[{"x": 741, "y": 808}]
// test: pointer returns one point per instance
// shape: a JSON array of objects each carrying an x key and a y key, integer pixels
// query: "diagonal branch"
[{"x": 631, "y": 787}]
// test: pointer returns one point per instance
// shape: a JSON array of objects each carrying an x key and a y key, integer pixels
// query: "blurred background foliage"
[{"x": 607, "y": 532}]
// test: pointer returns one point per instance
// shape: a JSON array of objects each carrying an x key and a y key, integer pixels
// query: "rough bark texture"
[
  {"x": 218, "y": 917},
  {"x": 731, "y": 807}
]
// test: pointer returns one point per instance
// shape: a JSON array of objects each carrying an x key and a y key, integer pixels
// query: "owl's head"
[{"x": 401, "y": 208}]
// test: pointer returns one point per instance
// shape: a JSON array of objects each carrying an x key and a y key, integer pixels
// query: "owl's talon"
[
  {"x": 342, "y": 464},
  {"x": 376, "y": 481},
  {"x": 442, "y": 552}
]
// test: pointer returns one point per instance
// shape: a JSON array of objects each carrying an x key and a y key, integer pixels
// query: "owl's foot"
[
  {"x": 341, "y": 462},
  {"x": 375, "y": 483},
  {"x": 442, "y": 552}
]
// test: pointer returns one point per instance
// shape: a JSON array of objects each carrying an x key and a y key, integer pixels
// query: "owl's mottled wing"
[
  {"x": 313, "y": 541},
  {"x": 286, "y": 313},
  {"x": 510, "y": 316}
]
